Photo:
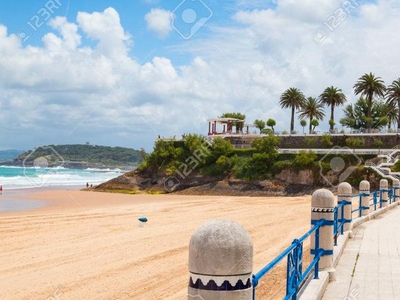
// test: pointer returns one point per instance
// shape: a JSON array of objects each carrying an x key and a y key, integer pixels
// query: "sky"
[{"x": 120, "y": 73}]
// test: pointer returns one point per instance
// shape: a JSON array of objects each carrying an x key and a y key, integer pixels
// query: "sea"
[
  {"x": 34, "y": 177},
  {"x": 15, "y": 180}
]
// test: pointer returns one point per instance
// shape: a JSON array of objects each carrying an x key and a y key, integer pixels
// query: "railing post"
[
  {"x": 323, "y": 205},
  {"x": 396, "y": 191},
  {"x": 344, "y": 194},
  {"x": 364, "y": 189},
  {"x": 220, "y": 262},
  {"x": 383, "y": 186}
]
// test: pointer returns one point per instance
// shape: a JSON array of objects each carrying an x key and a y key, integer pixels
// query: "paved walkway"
[{"x": 369, "y": 267}]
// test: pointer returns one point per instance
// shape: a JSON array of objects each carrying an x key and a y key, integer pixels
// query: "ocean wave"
[
  {"x": 13, "y": 178},
  {"x": 104, "y": 170}
]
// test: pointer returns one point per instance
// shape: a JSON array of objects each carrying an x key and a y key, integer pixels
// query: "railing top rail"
[
  {"x": 285, "y": 252},
  {"x": 372, "y": 192}
]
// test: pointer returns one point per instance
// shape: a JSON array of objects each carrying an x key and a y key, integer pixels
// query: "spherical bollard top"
[
  {"x": 364, "y": 185},
  {"x": 383, "y": 184},
  {"x": 395, "y": 182},
  {"x": 344, "y": 188},
  {"x": 221, "y": 247},
  {"x": 323, "y": 198}
]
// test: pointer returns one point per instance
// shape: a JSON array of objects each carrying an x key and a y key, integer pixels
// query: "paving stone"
[{"x": 369, "y": 267}]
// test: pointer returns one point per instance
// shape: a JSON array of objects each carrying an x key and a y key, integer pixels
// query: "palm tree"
[
  {"x": 332, "y": 96},
  {"x": 391, "y": 112},
  {"x": 393, "y": 98},
  {"x": 292, "y": 98},
  {"x": 369, "y": 86},
  {"x": 312, "y": 109}
]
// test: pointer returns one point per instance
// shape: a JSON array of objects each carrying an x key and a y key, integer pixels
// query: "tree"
[
  {"x": 294, "y": 99},
  {"x": 221, "y": 147},
  {"x": 260, "y": 124},
  {"x": 142, "y": 155},
  {"x": 235, "y": 115},
  {"x": 392, "y": 113},
  {"x": 393, "y": 99},
  {"x": 355, "y": 115},
  {"x": 312, "y": 109},
  {"x": 266, "y": 144},
  {"x": 264, "y": 157},
  {"x": 271, "y": 123},
  {"x": 303, "y": 124},
  {"x": 332, "y": 96},
  {"x": 193, "y": 141},
  {"x": 332, "y": 123},
  {"x": 314, "y": 124},
  {"x": 369, "y": 86}
]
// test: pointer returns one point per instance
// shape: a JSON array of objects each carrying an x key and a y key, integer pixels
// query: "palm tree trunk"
[
  {"x": 292, "y": 121},
  {"x": 369, "y": 112},
  {"x": 398, "y": 117},
  {"x": 310, "y": 127},
  {"x": 332, "y": 116}
]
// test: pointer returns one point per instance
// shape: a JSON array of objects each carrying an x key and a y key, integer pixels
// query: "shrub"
[
  {"x": 279, "y": 166},
  {"x": 305, "y": 159},
  {"x": 354, "y": 142},
  {"x": 326, "y": 140}
]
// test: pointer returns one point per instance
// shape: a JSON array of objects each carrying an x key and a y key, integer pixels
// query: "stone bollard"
[
  {"x": 345, "y": 193},
  {"x": 220, "y": 262},
  {"x": 396, "y": 191},
  {"x": 384, "y": 185},
  {"x": 364, "y": 189},
  {"x": 323, "y": 205}
]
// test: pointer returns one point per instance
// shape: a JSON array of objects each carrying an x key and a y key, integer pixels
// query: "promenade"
[{"x": 369, "y": 267}]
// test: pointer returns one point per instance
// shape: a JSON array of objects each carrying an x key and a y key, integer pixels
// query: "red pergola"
[{"x": 227, "y": 126}]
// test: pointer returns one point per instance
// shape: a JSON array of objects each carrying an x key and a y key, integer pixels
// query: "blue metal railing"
[
  {"x": 376, "y": 200},
  {"x": 340, "y": 220},
  {"x": 360, "y": 206},
  {"x": 295, "y": 277}
]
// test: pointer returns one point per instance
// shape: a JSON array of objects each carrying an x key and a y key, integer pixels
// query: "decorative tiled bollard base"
[{"x": 220, "y": 262}]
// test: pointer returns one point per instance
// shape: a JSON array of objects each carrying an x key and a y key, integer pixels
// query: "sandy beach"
[{"x": 88, "y": 245}]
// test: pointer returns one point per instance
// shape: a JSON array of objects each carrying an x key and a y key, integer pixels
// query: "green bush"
[
  {"x": 326, "y": 140},
  {"x": 241, "y": 169},
  {"x": 396, "y": 167},
  {"x": 305, "y": 159},
  {"x": 243, "y": 152},
  {"x": 355, "y": 142},
  {"x": 279, "y": 166},
  {"x": 221, "y": 147}
]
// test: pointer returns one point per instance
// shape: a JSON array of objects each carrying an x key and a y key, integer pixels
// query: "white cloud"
[
  {"x": 106, "y": 28},
  {"x": 159, "y": 21},
  {"x": 69, "y": 91}
]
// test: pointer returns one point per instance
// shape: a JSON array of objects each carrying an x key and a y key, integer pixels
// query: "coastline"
[
  {"x": 25, "y": 199},
  {"x": 86, "y": 245}
]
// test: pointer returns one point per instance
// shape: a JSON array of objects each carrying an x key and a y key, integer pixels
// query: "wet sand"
[{"x": 88, "y": 245}]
